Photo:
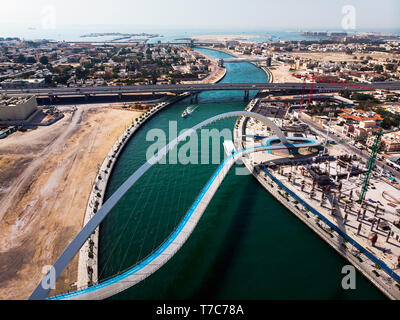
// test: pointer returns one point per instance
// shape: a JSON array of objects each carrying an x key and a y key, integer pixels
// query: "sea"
[{"x": 74, "y": 33}]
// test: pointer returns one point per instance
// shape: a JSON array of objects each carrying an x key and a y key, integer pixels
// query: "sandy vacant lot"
[
  {"x": 45, "y": 180},
  {"x": 282, "y": 74}
]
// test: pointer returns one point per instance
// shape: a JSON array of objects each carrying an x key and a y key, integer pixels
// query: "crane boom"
[{"x": 370, "y": 165}]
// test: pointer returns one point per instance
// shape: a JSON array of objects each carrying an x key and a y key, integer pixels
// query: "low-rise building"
[
  {"x": 367, "y": 124},
  {"x": 17, "y": 108},
  {"x": 391, "y": 142},
  {"x": 358, "y": 116},
  {"x": 22, "y": 84},
  {"x": 392, "y": 108}
]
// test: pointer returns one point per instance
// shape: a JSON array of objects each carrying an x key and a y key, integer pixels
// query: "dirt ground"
[
  {"x": 45, "y": 180},
  {"x": 282, "y": 74},
  {"x": 342, "y": 56}
]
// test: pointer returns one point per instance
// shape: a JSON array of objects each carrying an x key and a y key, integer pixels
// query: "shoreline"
[{"x": 263, "y": 68}]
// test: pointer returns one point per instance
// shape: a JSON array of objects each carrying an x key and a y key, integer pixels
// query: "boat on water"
[
  {"x": 188, "y": 111},
  {"x": 185, "y": 114}
]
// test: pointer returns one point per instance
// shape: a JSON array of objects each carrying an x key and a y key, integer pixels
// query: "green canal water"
[{"x": 246, "y": 245}]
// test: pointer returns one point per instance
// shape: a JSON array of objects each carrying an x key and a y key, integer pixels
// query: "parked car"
[{"x": 384, "y": 225}]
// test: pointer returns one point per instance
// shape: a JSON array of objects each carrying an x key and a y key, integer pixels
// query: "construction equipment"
[
  {"x": 314, "y": 78},
  {"x": 371, "y": 161},
  {"x": 370, "y": 165},
  {"x": 375, "y": 147},
  {"x": 302, "y": 95}
]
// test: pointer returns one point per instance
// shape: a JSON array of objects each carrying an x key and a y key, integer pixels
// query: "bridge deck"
[{"x": 178, "y": 88}]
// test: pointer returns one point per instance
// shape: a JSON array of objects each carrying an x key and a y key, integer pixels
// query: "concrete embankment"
[
  {"x": 269, "y": 74},
  {"x": 217, "y": 74},
  {"x": 264, "y": 68}
]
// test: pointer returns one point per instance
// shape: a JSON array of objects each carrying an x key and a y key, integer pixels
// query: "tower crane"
[{"x": 314, "y": 78}]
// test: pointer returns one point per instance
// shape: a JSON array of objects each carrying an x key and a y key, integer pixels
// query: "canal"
[{"x": 246, "y": 245}]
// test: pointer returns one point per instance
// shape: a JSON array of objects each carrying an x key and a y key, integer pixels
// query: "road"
[{"x": 99, "y": 90}]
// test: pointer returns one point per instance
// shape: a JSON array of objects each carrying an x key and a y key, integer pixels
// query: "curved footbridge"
[{"x": 176, "y": 240}]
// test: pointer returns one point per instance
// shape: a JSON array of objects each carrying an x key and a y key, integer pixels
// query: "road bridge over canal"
[{"x": 194, "y": 88}]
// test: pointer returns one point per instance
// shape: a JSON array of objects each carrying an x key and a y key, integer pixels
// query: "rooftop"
[
  {"x": 23, "y": 80},
  {"x": 360, "y": 115},
  {"x": 13, "y": 101},
  {"x": 392, "y": 136}
]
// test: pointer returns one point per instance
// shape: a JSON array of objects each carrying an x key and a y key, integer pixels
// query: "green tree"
[
  {"x": 44, "y": 60},
  {"x": 345, "y": 93},
  {"x": 349, "y": 51},
  {"x": 21, "y": 59},
  {"x": 31, "y": 60},
  {"x": 378, "y": 68},
  {"x": 391, "y": 67}
]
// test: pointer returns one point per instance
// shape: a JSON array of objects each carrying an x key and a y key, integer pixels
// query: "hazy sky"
[{"x": 217, "y": 14}]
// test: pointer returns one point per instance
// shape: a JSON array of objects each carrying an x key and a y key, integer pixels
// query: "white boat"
[
  {"x": 188, "y": 111},
  {"x": 229, "y": 147}
]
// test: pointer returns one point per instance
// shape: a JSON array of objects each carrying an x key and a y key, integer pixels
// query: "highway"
[{"x": 178, "y": 88}]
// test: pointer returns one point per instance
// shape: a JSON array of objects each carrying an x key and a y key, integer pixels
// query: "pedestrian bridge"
[{"x": 175, "y": 241}]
